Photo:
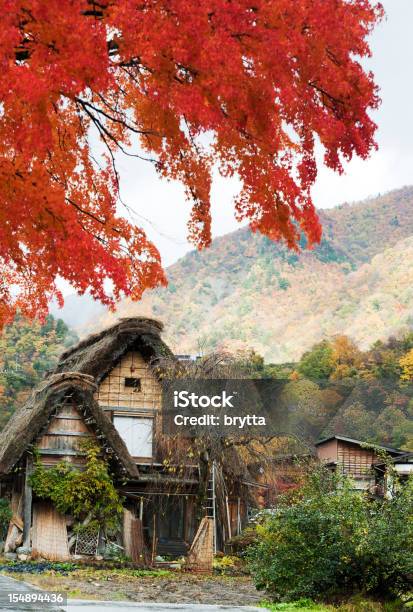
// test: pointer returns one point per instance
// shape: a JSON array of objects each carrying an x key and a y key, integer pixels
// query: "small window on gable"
[{"x": 133, "y": 383}]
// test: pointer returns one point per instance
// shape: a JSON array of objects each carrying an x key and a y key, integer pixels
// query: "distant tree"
[
  {"x": 402, "y": 435},
  {"x": 358, "y": 422},
  {"x": 392, "y": 427},
  {"x": 62, "y": 330},
  {"x": 346, "y": 356},
  {"x": 284, "y": 284},
  {"x": 302, "y": 401},
  {"x": 318, "y": 363},
  {"x": 406, "y": 364},
  {"x": 252, "y": 362},
  {"x": 276, "y": 370},
  {"x": 386, "y": 364}
]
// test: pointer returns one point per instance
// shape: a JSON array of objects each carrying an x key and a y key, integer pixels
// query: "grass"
[
  {"x": 87, "y": 582},
  {"x": 302, "y": 604},
  {"x": 354, "y": 604},
  {"x": 46, "y": 567},
  {"x": 73, "y": 594}
]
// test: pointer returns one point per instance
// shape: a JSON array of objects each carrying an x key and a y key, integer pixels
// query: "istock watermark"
[
  {"x": 262, "y": 408},
  {"x": 223, "y": 407},
  {"x": 185, "y": 399}
]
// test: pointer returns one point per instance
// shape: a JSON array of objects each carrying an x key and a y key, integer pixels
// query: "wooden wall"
[
  {"x": 354, "y": 460},
  {"x": 63, "y": 436},
  {"x": 328, "y": 450},
  {"x": 113, "y": 393}
]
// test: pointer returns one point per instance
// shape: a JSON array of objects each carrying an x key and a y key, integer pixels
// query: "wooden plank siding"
[
  {"x": 354, "y": 460},
  {"x": 64, "y": 436},
  {"x": 49, "y": 533}
]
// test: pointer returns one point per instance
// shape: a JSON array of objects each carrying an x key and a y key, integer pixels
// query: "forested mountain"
[
  {"x": 335, "y": 388},
  {"x": 248, "y": 291},
  {"x": 27, "y": 351}
]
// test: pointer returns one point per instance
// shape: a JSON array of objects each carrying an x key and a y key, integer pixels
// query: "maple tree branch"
[
  {"x": 103, "y": 129},
  {"x": 58, "y": 219},
  {"x": 106, "y": 103},
  {"x": 97, "y": 9},
  {"x": 126, "y": 251},
  {"x": 98, "y": 164},
  {"x": 332, "y": 57},
  {"x": 85, "y": 212},
  {"x": 337, "y": 102},
  {"x": 135, "y": 62},
  {"x": 122, "y": 122},
  {"x": 190, "y": 136}
]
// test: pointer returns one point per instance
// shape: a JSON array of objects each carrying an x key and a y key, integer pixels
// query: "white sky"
[
  {"x": 162, "y": 210},
  {"x": 391, "y": 166},
  {"x": 164, "y": 205}
]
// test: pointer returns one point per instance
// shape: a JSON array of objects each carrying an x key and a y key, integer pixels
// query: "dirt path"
[{"x": 178, "y": 588}]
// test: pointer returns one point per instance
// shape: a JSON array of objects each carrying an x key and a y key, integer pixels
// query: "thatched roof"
[
  {"x": 28, "y": 422},
  {"x": 78, "y": 372},
  {"x": 99, "y": 353}
]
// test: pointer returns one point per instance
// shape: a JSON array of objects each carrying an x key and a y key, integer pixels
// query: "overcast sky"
[{"x": 161, "y": 207}]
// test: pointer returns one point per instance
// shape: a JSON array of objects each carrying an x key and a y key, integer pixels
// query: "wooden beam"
[
  {"x": 125, "y": 410},
  {"x": 27, "y": 504},
  {"x": 79, "y": 466},
  {"x": 78, "y": 434},
  {"x": 60, "y": 451}
]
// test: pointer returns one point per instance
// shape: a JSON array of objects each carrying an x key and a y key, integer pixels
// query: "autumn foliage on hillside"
[
  {"x": 337, "y": 389},
  {"x": 368, "y": 395},
  {"x": 247, "y": 87},
  {"x": 28, "y": 349}
]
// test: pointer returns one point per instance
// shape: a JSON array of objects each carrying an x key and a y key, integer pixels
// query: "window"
[
  {"x": 133, "y": 383},
  {"x": 137, "y": 433}
]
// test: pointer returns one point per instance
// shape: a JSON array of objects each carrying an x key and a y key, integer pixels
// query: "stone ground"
[
  {"x": 177, "y": 588},
  {"x": 90, "y": 606}
]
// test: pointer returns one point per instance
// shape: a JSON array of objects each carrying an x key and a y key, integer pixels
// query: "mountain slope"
[{"x": 248, "y": 291}]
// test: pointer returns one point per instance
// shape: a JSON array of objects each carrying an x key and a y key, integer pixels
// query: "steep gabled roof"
[
  {"x": 28, "y": 422},
  {"x": 389, "y": 449},
  {"x": 99, "y": 353}
]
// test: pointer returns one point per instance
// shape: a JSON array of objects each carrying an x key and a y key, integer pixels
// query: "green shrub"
[
  {"x": 334, "y": 540},
  {"x": 88, "y": 493},
  {"x": 239, "y": 543},
  {"x": 228, "y": 565}
]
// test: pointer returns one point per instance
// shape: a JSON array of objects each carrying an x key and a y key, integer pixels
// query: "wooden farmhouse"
[
  {"x": 356, "y": 459},
  {"x": 106, "y": 389}
]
